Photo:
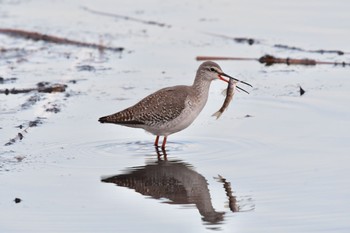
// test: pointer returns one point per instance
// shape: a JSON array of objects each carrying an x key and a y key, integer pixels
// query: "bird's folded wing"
[{"x": 161, "y": 107}]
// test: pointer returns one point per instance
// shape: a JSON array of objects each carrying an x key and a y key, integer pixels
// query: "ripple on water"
[
  {"x": 104, "y": 151},
  {"x": 191, "y": 145}
]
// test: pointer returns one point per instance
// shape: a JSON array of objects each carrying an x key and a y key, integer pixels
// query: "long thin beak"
[
  {"x": 238, "y": 81},
  {"x": 228, "y": 76}
]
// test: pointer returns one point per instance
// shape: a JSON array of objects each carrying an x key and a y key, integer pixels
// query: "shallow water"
[{"x": 285, "y": 167}]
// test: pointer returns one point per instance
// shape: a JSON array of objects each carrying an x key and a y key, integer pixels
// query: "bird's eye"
[{"x": 213, "y": 69}]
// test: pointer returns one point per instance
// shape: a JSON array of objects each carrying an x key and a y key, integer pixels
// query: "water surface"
[{"x": 274, "y": 162}]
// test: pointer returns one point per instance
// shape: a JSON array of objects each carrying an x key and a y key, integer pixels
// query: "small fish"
[{"x": 231, "y": 87}]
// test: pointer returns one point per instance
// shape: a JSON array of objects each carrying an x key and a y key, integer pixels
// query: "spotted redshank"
[{"x": 171, "y": 109}]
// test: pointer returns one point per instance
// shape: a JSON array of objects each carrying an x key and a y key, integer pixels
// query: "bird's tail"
[
  {"x": 217, "y": 114},
  {"x": 120, "y": 119},
  {"x": 105, "y": 119}
]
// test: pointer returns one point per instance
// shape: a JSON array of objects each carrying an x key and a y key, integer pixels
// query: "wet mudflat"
[{"x": 275, "y": 161}]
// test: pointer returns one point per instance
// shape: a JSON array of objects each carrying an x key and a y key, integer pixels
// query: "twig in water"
[
  {"x": 206, "y": 58},
  {"x": 149, "y": 22},
  {"x": 321, "y": 51},
  {"x": 269, "y": 60},
  {"x": 36, "y": 36},
  {"x": 41, "y": 87},
  {"x": 252, "y": 41},
  {"x": 241, "y": 40}
]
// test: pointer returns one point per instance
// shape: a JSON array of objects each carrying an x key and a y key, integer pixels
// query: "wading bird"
[{"x": 171, "y": 109}]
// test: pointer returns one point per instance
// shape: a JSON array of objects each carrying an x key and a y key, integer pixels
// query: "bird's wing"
[
  {"x": 162, "y": 106},
  {"x": 159, "y": 107}
]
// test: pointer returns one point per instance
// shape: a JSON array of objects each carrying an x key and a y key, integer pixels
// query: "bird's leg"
[
  {"x": 156, "y": 141},
  {"x": 164, "y": 142}
]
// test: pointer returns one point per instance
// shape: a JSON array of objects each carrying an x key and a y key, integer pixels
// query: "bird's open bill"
[{"x": 238, "y": 81}]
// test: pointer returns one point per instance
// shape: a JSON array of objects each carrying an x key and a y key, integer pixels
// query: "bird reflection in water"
[{"x": 177, "y": 182}]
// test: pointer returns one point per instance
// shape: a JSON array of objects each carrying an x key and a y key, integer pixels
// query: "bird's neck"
[{"x": 201, "y": 87}]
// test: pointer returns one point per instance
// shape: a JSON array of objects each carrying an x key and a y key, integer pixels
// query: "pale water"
[{"x": 284, "y": 157}]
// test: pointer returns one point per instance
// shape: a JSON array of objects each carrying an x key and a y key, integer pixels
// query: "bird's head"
[{"x": 211, "y": 71}]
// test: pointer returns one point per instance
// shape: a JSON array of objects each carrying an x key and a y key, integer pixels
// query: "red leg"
[
  {"x": 164, "y": 142},
  {"x": 156, "y": 142}
]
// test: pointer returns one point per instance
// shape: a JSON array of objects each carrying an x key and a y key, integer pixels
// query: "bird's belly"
[
  {"x": 170, "y": 127},
  {"x": 187, "y": 116}
]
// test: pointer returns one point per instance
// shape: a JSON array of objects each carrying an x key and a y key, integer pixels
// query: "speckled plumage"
[
  {"x": 170, "y": 109},
  {"x": 154, "y": 110}
]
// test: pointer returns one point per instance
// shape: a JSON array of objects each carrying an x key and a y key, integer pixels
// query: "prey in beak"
[{"x": 221, "y": 74}]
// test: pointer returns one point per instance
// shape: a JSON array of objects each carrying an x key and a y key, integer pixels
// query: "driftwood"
[
  {"x": 41, "y": 87},
  {"x": 321, "y": 51},
  {"x": 149, "y": 22},
  {"x": 269, "y": 60},
  {"x": 36, "y": 36}
]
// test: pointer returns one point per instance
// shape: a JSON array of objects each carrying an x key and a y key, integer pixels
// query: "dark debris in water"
[
  {"x": 18, "y": 54},
  {"x": 37, "y": 36},
  {"x": 19, "y": 158},
  {"x": 31, "y": 101},
  {"x": 43, "y": 87},
  {"x": 127, "y": 18},
  {"x": 36, "y": 122},
  {"x": 47, "y": 87},
  {"x": 240, "y": 40},
  {"x": 24, "y": 127},
  {"x": 11, "y": 141},
  {"x": 321, "y": 51},
  {"x": 7, "y": 80},
  {"x": 249, "y": 41},
  {"x": 86, "y": 68},
  {"x": 269, "y": 60},
  {"x": 53, "y": 107}
]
